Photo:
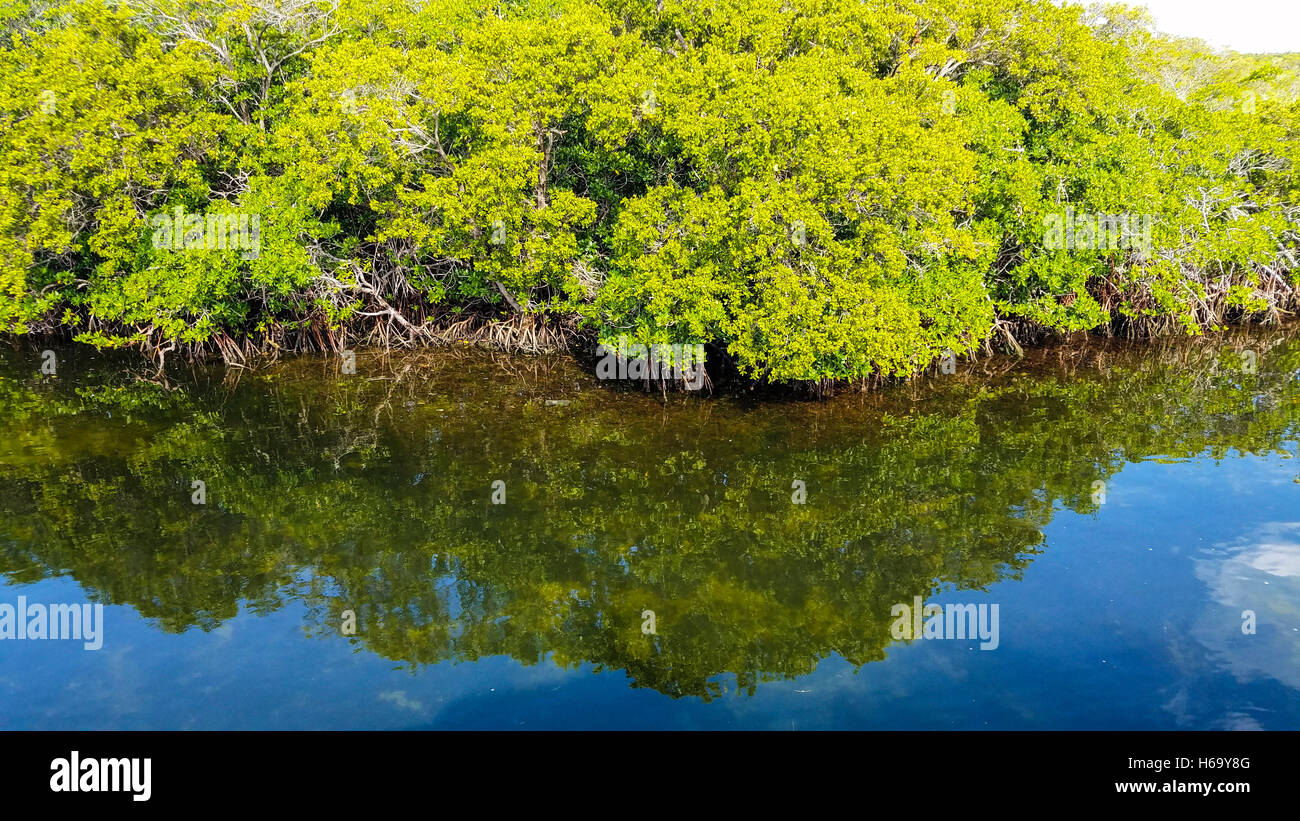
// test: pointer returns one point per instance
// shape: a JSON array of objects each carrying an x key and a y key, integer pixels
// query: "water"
[{"x": 1122, "y": 505}]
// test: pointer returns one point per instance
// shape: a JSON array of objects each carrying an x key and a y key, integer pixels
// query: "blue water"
[{"x": 1125, "y": 616}]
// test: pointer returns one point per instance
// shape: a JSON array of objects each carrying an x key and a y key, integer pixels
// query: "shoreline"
[{"x": 1049, "y": 351}]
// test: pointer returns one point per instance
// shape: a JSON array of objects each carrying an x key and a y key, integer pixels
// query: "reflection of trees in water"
[{"x": 371, "y": 493}]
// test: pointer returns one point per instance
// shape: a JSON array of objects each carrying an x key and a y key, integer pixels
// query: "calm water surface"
[{"x": 1121, "y": 505}]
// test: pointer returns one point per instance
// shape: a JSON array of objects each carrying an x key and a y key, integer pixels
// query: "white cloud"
[{"x": 1251, "y": 26}]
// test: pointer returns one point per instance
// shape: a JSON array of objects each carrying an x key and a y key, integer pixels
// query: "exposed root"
[{"x": 387, "y": 324}]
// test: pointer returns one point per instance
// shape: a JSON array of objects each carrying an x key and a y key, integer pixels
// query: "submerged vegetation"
[{"x": 818, "y": 190}]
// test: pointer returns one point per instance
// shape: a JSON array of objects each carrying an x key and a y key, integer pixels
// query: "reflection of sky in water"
[
  {"x": 1261, "y": 573},
  {"x": 1131, "y": 618}
]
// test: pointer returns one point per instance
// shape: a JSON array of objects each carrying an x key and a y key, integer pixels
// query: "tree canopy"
[{"x": 819, "y": 189}]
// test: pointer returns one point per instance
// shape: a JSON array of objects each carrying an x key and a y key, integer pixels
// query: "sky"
[{"x": 1252, "y": 26}]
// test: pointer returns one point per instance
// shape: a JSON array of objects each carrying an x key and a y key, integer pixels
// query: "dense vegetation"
[
  {"x": 372, "y": 495},
  {"x": 818, "y": 189}
]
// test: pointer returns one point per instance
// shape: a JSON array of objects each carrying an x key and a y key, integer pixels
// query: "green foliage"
[{"x": 822, "y": 189}]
